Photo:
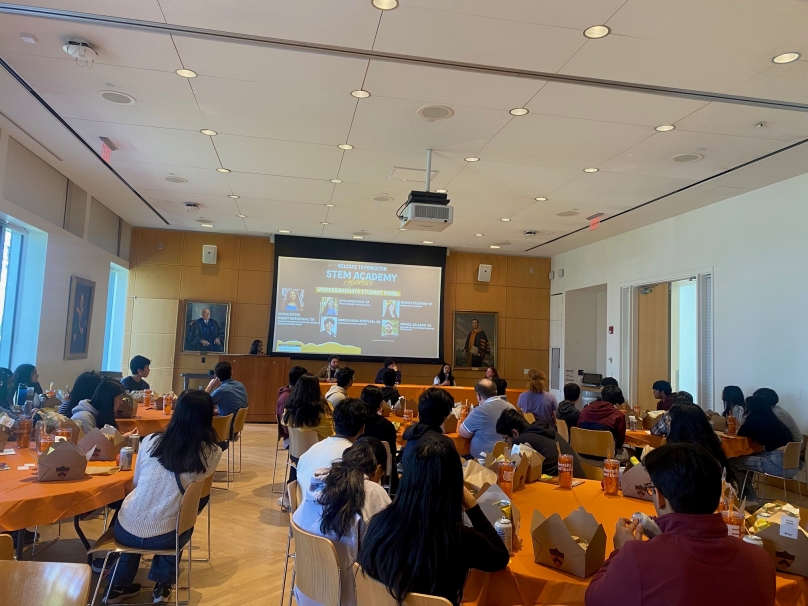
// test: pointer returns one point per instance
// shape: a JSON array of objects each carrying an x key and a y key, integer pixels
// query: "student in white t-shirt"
[
  {"x": 339, "y": 504},
  {"x": 349, "y": 424}
]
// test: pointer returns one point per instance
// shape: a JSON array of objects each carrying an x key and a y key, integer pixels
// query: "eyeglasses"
[{"x": 643, "y": 489}]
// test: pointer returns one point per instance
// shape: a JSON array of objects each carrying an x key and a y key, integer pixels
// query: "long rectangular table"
[{"x": 733, "y": 446}]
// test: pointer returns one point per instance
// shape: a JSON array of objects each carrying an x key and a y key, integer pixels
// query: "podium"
[{"x": 262, "y": 377}]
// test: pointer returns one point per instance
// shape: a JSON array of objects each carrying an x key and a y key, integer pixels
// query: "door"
[{"x": 653, "y": 341}]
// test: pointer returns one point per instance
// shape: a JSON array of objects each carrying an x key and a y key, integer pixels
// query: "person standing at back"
[
  {"x": 481, "y": 424},
  {"x": 537, "y": 399},
  {"x": 693, "y": 561},
  {"x": 139, "y": 367}
]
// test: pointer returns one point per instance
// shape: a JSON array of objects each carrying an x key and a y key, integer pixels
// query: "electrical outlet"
[{"x": 527, "y": 370}]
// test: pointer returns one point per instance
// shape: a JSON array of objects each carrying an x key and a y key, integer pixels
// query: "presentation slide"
[{"x": 356, "y": 308}]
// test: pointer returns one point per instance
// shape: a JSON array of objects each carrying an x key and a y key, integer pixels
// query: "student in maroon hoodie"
[
  {"x": 664, "y": 393},
  {"x": 601, "y": 415},
  {"x": 283, "y": 394},
  {"x": 693, "y": 561}
]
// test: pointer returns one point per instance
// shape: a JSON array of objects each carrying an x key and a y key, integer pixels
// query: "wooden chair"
[
  {"x": 207, "y": 484},
  {"x": 530, "y": 417},
  {"x": 592, "y": 472},
  {"x": 592, "y": 443},
  {"x": 316, "y": 572},
  {"x": 295, "y": 499},
  {"x": 791, "y": 461},
  {"x": 6, "y": 547},
  {"x": 299, "y": 442},
  {"x": 278, "y": 440},
  {"x": 45, "y": 583},
  {"x": 388, "y": 471},
  {"x": 222, "y": 426},
  {"x": 186, "y": 518},
  {"x": 562, "y": 430},
  {"x": 235, "y": 435},
  {"x": 369, "y": 592}
]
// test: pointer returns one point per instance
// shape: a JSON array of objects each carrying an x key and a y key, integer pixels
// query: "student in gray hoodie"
[
  {"x": 339, "y": 392},
  {"x": 100, "y": 409}
]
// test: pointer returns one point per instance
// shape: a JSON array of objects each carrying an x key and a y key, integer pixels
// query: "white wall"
[
  {"x": 756, "y": 247},
  {"x": 601, "y": 333},
  {"x": 580, "y": 331}
]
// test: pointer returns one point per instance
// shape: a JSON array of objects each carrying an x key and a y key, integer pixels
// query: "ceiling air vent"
[
  {"x": 435, "y": 112},
  {"x": 687, "y": 158}
]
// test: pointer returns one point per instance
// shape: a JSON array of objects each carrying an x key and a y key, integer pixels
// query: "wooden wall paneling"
[
  {"x": 519, "y": 272},
  {"x": 526, "y": 334},
  {"x": 159, "y": 348},
  {"x": 262, "y": 376},
  {"x": 653, "y": 342},
  {"x": 127, "y": 312},
  {"x": 480, "y": 297},
  {"x": 247, "y": 320},
  {"x": 154, "y": 315},
  {"x": 242, "y": 345},
  {"x": 468, "y": 268},
  {"x": 451, "y": 268},
  {"x": 502, "y": 333},
  {"x": 208, "y": 284},
  {"x": 449, "y": 298},
  {"x": 530, "y": 303},
  {"x": 256, "y": 254},
  {"x": 227, "y": 253},
  {"x": 254, "y": 286},
  {"x": 157, "y": 247},
  {"x": 195, "y": 362},
  {"x": 157, "y": 281}
]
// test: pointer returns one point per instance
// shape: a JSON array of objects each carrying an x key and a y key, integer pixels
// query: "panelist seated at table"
[
  {"x": 339, "y": 505},
  {"x": 434, "y": 406},
  {"x": 419, "y": 543},
  {"x": 83, "y": 389},
  {"x": 339, "y": 393},
  {"x": 602, "y": 415},
  {"x": 445, "y": 378},
  {"x": 481, "y": 424},
  {"x": 693, "y": 561},
  {"x": 166, "y": 465},
  {"x": 139, "y": 367},
  {"x": 541, "y": 437},
  {"x": 100, "y": 409},
  {"x": 228, "y": 394},
  {"x": 328, "y": 373},
  {"x": 389, "y": 363}
]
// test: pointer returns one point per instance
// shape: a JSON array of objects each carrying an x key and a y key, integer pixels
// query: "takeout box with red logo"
[
  {"x": 788, "y": 554},
  {"x": 521, "y": 466},
  {"x": 555, "y": 547},
  {"x": 126, "y": 408},
  {"x": 636, "y": 483},
  {"x": 65, "y": 461},
  {"x": 106, "y": 441}
]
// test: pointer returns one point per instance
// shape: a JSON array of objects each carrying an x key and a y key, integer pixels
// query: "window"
[
  {"x": 12, "y": 241},
  {"x": 116, "y": 310}
]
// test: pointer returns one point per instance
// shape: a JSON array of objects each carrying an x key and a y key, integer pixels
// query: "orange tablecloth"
[
  {"x": 643, "y": 437},
  {"x": 413, "y": 392},
  {"x": 147, "y": 421},
  {"x": 736, "y": 446},
  {"x": 463, "y": 445},
  {"x": 24, "y": 502},
  {"x": 524, "y": 582}
]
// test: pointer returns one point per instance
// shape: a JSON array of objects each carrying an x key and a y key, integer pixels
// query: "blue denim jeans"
[
  {"x": 162, "y": 568},
  {"x": 763, "y": 462}
]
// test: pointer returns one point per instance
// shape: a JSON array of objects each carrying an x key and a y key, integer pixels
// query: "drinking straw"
[
  {"x": 743, "y": 506},
  {"x": 558, "y": 447}
]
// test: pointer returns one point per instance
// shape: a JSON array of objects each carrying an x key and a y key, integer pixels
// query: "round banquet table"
[
  {"x": 147, "y": 421},
  {"x": 643, "y": 437},
  {"x": 524, "y": 582},
  {"x": 463, "y": 445},
  {"x": 736, "y": 446}
]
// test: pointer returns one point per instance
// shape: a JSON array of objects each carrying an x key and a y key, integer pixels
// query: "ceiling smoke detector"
[
  {"x": 173, "y": 179},
  {"x": 192, "y": 207},
  {"x": 84, "y": 54},
  {"x": 430, "y": 113},
  {"x": 567, "y": 213},
  {"x": 687, "y": 158},
  {"x": 117, "y": 97}
]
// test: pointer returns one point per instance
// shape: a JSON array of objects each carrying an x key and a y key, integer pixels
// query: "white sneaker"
[{"x": 283, "y": 502}]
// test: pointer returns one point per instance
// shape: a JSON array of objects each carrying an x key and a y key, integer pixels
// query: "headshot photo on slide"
[
  {"x": 390, "y": 328},
  {"x": 329, "y": 306},
  {"x": 292, "y": 299},
  {"x": 328, "y": 326},
  {"x": 391, "y": 308}
]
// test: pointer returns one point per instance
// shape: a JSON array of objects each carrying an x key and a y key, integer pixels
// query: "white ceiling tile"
[
  {"x": 147, "y": 10},
  {"x": 562, "y": 142},
  {"x": 287, "y": 189},
  {"x": 608, "y": 190},
  {"x": 267, "y": 64},
  {"x": 741, "y": 121},
  {"x": 360, "y": 195},
  {"x": 274, "y": 157},
  {"x": 515, "y": 180},
  {"x": 280, "y": 211},
  {"x": 373, "y": 167},
  {"x": 492, "y": 207},
  {"x": 787, "y": 82},
  {"x": 473, "y": 39},
  {"x": 153, "y": 176}
]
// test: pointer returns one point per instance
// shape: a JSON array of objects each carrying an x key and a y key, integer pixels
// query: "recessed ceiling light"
[
  {"x": 330, "y": 205},
  {"x": 360, "y": 94},
  {"x": 208, "y": 132},
  {"x": 186, "y": 73},
  {"x": 385, "y": 5},
  {"x": 428, "y": 242},
  {"x": 324, "y": 223},
  {"x": 28, "y": 38},
  {"x": 430, "y": 113},
  {"x": 223, "y": 170},
  {"x": 206, "y": 224},
  {"x": 336, "y": 180},
  {"x": 597, "y": 31},
  {"x": 345, "y": 146},
  {"x": 519, "y": 111},
  {"x": 591, "y": 170},
  {"x": 493, "y": 246},
  {"x": 284, "y": 231},
  {"x": 242, "y": 216},
  {"x": 785, "y": 58},
  {"x": 472, "y": 159},
  {"x": 358, "y": 237},
  {"x": 402, "y": 229},
  {"x": 505, "y": 219},
  {"x": 233, "y": 197},
  {"x": 441, "y": 191},
  {"x": 665, "y": 128},
  {"x": 687, "y": 158},
  {"x": 479, "y": 235},
  {"x": 541, "y": 199}
]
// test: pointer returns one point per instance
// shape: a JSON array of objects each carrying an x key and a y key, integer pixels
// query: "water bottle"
[{"x": 504, "y": 529}]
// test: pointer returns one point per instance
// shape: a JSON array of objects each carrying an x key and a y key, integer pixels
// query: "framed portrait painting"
[
  {"x": 79, "y": 318},
  {"x": 206, "y": 327},
  {"x": 475, "y": 339}
]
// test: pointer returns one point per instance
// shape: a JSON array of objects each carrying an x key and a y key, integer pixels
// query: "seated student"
[
  {"x": 83, "y": 389},
  {"x": 257, "y": 348},
  {"x": 166, "y": 465},
  {"x": 734, "y": 403},
  {"x": 537, "y": 400},
  {"x": 609, "y": 381},
  {"x": 25, "y": 374},
  {"x": 481, "y": 424},
  {"x": 663, "y": 392},
  {"x": 663, "y": 423},
  {"x": 100, "y": 409},
  {"x": 502, "y": 387},
  {"x": 567, "y": 409},
  {"x": 339, "y": 505},
  {"x": 139, "y": 367},
  {"x": 376, "y": 426},
  {"x": 693, "y": 561},
  {"x": 601, "y": 415},
  {"x": 228, "y": 394},
  {"x": 339, "y": 392},
  {"x": 434, "y": 406},
  {"x": 389, "y": 364},
  {"x": 349, "y": 423},
  {"x": 419, "y": 543},
  {"x": 328, "y": 373},
  {"x": 445, "y": 378},
  {"x": 541, "y": 436},
  {"x": 389, "y": 392},
  {"x": 5, "y": 386},
  {"x": 781, "y": 413},
  {"x": 689, "y": 424},
  {"x": 283, "y": 396}
]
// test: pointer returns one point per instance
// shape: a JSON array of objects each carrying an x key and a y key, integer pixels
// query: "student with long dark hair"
[
  {"x": 83, "y": 389},
  {"x": 167, "y": 464},
  {"x": 24, "y": 374},
  {"x": 734, "y": 403},
  {"x": 100, "y": 409},
  {"x": 376, "y": 426},
  {"x": 445, "y": 378},
  {"x": 689, "y": 424},
  {"x": 419, "y": 543},
  {"x": 339, "y": 504}
]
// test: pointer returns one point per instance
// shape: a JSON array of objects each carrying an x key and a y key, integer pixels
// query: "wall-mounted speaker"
[
  {"x": 209, "y": 254},
  {"x": 484, "y": 273}
]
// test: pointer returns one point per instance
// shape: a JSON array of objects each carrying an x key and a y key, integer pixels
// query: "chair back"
[
  {"x": 240, "y": 420},
  {"x": 222, "y": 426},
  {"x": 591, "y": 472},
  {"x": 592, "y": 442},
  {"x": 369, "y": 592},
  {"x": 563, "y": 430},
  {"x": 6, "y": 547},
  {"x": 791, "y": 455},
  {"x": 388, "y": 470},
  {"x": 530, "y": 417},
  {"x": 189, "y": 508},
  {"x": 300, "y": 441},
  {"x": 295, "y": 496},
  {"x": 317, "y": 571},
  {"x": 45, "y": 583},
  {"x": 207, "y": 484}
]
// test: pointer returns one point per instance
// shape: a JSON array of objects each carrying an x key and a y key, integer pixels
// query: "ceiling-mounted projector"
[{"x": 426, "y": 211}]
